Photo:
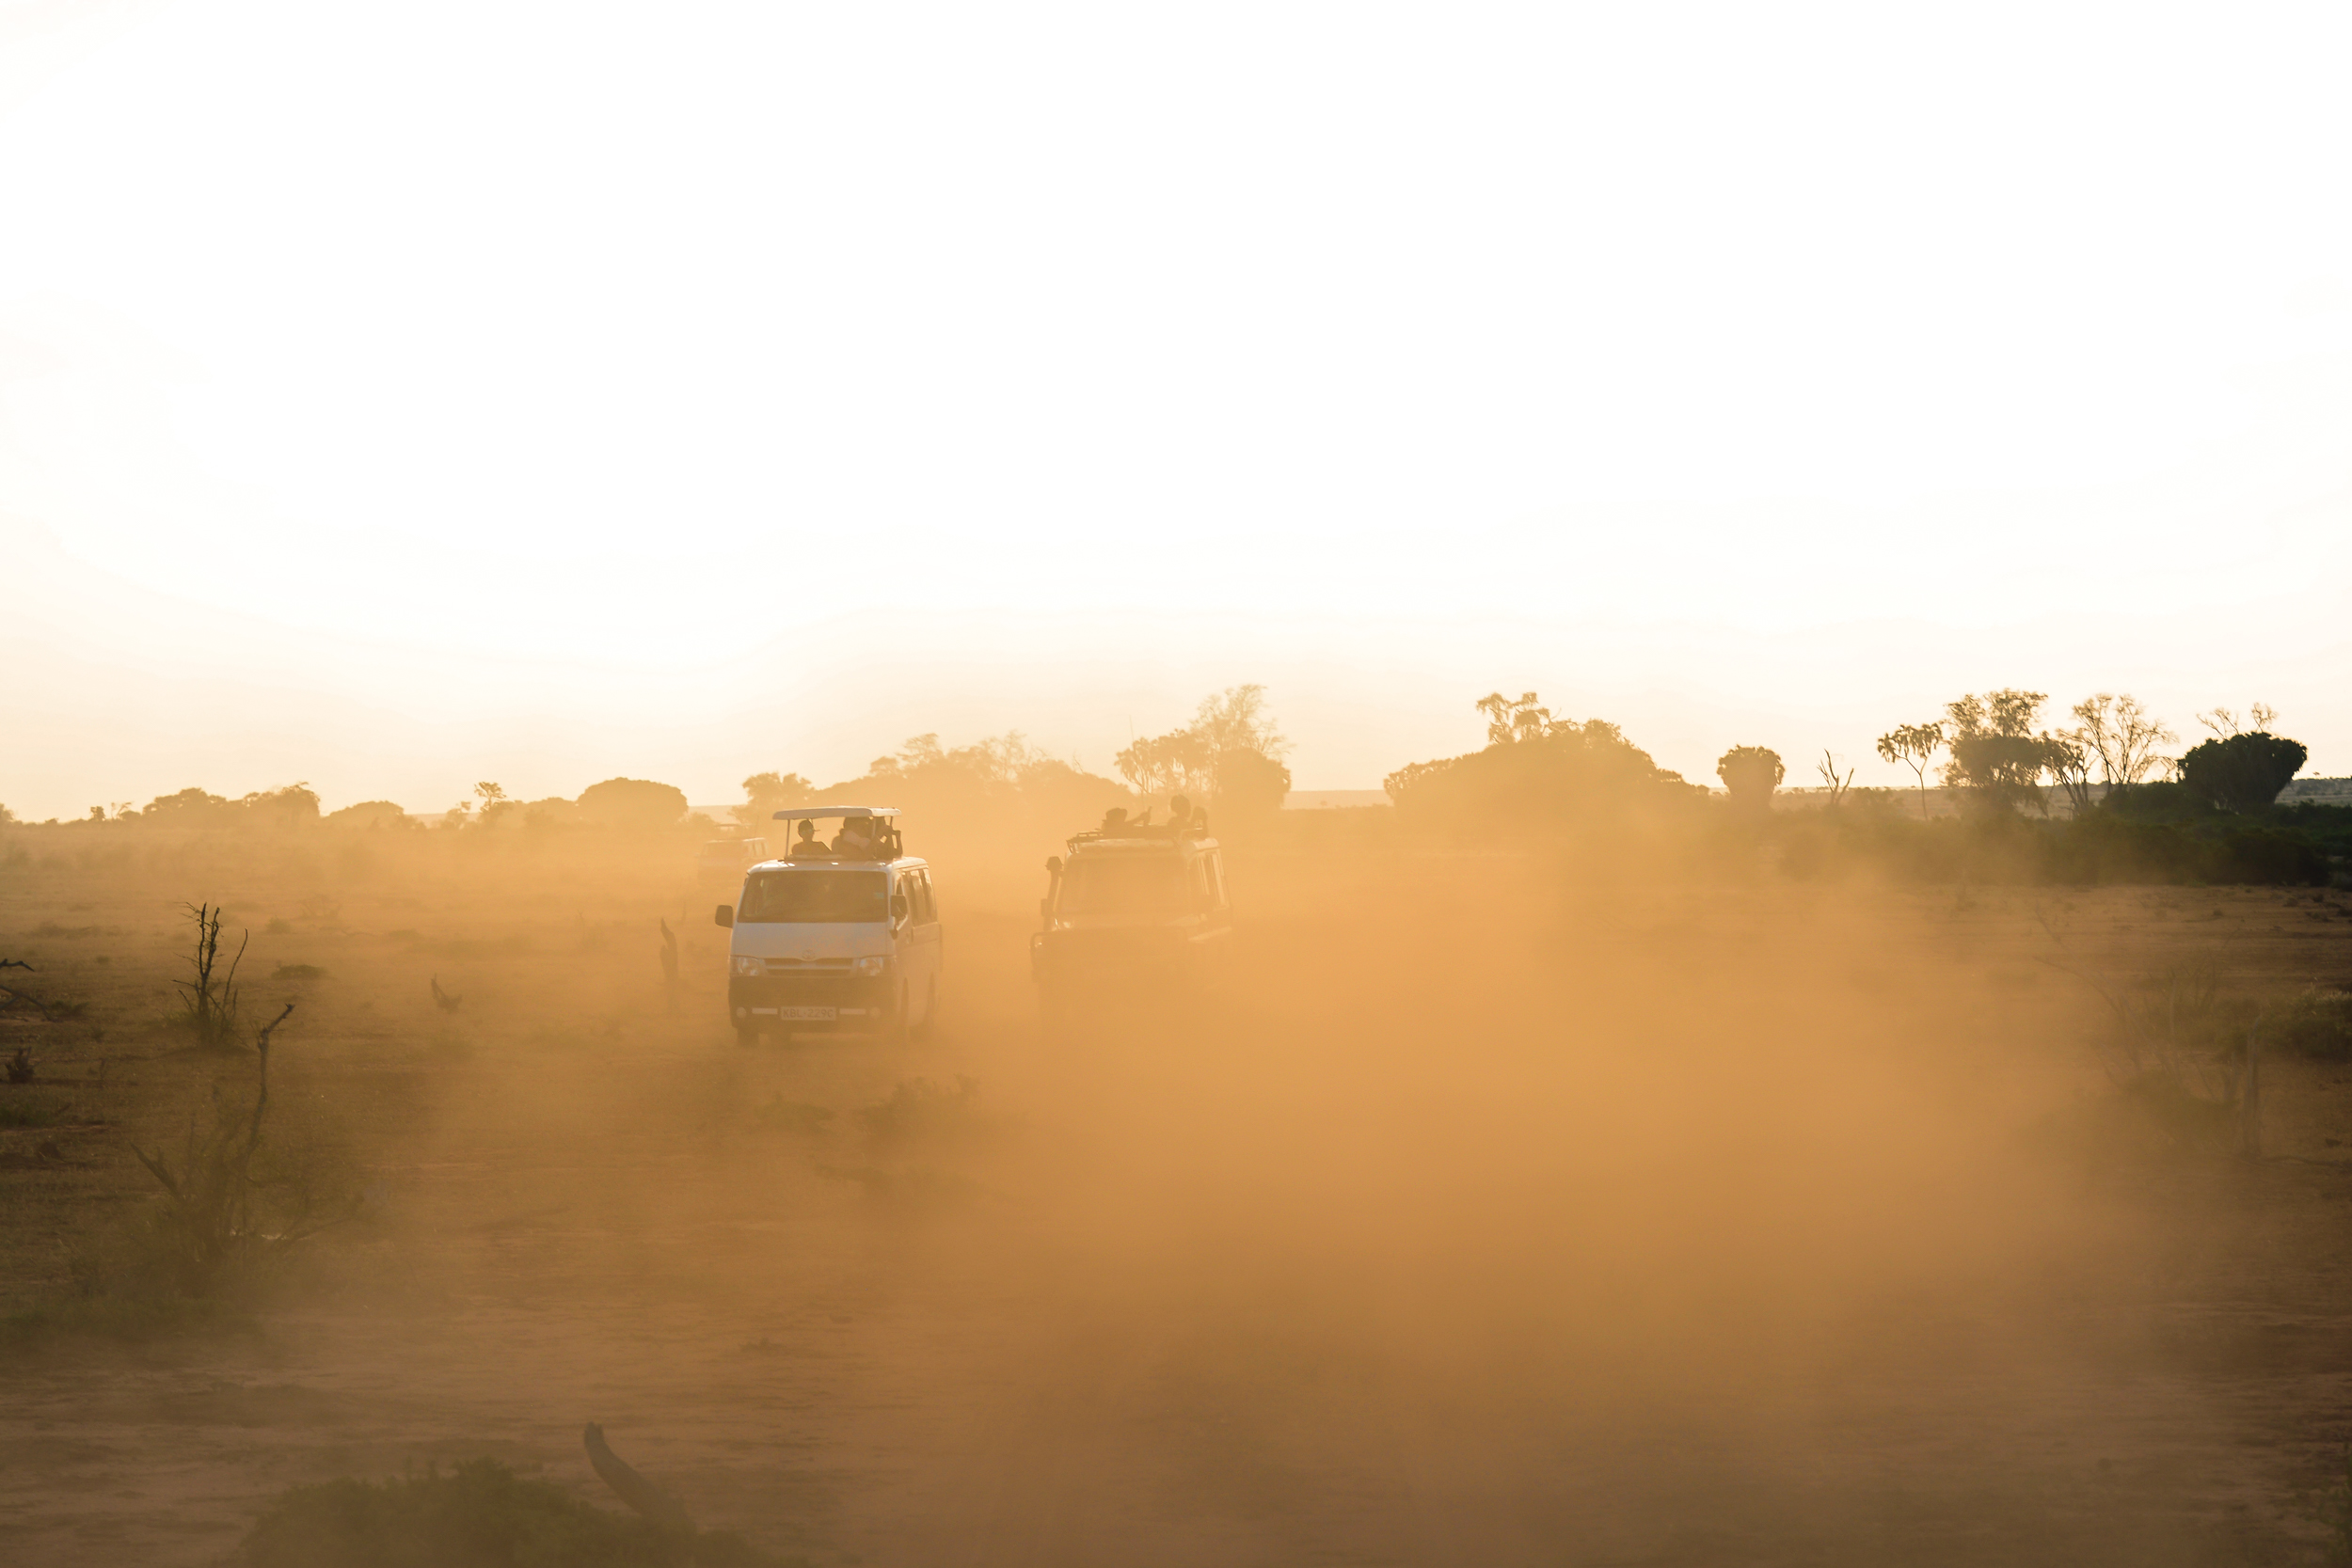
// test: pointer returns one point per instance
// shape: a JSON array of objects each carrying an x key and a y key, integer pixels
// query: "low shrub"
[{"x": 231, "y": 1203}]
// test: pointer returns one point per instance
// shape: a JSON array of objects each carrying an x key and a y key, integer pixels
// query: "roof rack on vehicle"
[{"x": 1144, "y": 833}]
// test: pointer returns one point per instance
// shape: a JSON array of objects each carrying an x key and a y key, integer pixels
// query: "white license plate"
[{"x": 809, "y": 1014}]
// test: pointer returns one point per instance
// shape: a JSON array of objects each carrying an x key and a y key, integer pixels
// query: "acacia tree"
[
  {"x": 495, "y": 803},
  {"x": 1997, "y": 759},
  {"x": 2123, "y": 735},
  {"x": 1914, "y": 746},
  {"x": 1511, "y": 720},
  {"x": 1173, "y": 763},
  {"x": 1232, "y": 726},
  {"x": 2069, "y": 762}
]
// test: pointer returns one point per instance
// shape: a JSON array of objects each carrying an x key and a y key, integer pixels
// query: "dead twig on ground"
[{"x": 209, "y": 996}]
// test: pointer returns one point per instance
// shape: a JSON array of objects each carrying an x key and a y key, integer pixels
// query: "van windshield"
[
  {"x": 1123, "y": 885},
  {"x": 825, "y": 897}
]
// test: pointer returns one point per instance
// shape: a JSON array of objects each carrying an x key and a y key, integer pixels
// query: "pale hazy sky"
[{"x": 396, "y": 396}]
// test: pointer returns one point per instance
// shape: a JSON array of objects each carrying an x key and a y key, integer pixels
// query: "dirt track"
[{"x": 1543, "y": 1225}]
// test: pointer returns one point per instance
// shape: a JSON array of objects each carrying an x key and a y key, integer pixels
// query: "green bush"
[
  {"x": 479, "y": 1514},
  {"x": 2159, "y": 802},
  {"x": 2266, "y": 857},
  {"x": 2242, "y": 772}
]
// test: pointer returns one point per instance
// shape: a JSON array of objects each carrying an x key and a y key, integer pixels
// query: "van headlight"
[
  {"x": 749, "y": 969},
  {"x": 871, "y": 968}
]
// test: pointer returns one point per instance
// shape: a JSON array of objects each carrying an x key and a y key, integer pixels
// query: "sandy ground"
[{"x": 1489, "y": 1219}]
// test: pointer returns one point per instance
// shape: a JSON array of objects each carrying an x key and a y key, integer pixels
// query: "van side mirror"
[
  {"x": 725, "y": 915},
  {"x": 897, "y": 906}
]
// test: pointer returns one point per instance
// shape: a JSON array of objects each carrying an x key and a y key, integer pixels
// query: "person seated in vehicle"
[
  {"x": 1179, "y": 815},
  {"x": 808, "y": 843},
  {"x": 856, "y": 839}
]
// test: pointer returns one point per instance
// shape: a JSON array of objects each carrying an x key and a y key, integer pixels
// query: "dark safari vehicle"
[{"x": 1134, "y": 907}]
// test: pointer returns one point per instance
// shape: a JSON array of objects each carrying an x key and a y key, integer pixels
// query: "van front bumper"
[{"x": 858, "y": 1001}]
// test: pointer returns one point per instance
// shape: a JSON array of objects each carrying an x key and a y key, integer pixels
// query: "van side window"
[
  {"x": 1216, "y": 881},
  {"x": 928, "y": 914}
]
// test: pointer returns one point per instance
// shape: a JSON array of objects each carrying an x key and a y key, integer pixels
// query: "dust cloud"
[{"x": 1489, "y": 1211}]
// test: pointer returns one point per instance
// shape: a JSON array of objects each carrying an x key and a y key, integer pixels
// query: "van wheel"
[
  {"x": 930, "y": 1013},
  {"x": 747, "y": 1034}
]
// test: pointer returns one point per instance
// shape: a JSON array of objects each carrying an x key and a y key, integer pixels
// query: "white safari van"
[{"x": 834, "y": 934}]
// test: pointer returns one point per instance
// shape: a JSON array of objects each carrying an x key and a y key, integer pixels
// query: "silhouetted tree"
[
  {"x": 1511, "y": 720},
  {"x": 1175, "y": 763},
  {"x": 1572, "y": 773},
  {"x": 632, "y": 803},
  {"x": 1189, "y": 760},
  {"x": 189, "y": 808},
  {"x": 1751, "y": 773},
  {"x": 1827, "y": 769},
  {"x": 2123, "y": 735},
  {"x": 2069, "y": 761},
  {"x": 982, "y": 799},
  {"x": 1914, "y": 746},
  {"x": 494, "y": 802},
  {"x": 2244, "y": 771},
  {"x": 1997, "y": 759},
  {"x": 371, "y": 813},
  {"x": 766, "y": 794},
  {"x": 1251, "y": 784},
  {"x": 293, "y": 806}
]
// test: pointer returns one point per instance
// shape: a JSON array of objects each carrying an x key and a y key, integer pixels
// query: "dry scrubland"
[{"x": 1498, "y": 1216}]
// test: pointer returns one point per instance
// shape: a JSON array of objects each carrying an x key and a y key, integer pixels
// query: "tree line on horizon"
[
  {"x": 1227, "y": 758},
  {"x": 1537, "y": 775},
  {"x": 2209, "y": 814}
]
